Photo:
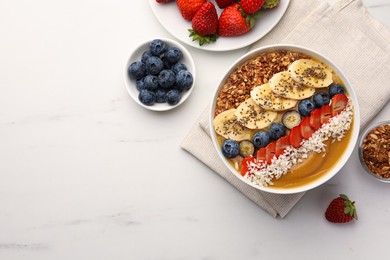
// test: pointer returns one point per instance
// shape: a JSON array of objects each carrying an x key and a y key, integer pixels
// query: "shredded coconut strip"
[{"x": 262, "y": 174}]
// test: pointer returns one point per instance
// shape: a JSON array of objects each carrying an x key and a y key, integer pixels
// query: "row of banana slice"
[{"x": 282, "y": 92}]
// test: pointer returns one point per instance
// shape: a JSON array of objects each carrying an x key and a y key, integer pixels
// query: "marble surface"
[{"x": 86, "y": 173}]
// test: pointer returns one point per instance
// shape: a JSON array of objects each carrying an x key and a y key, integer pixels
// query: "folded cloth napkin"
[{"x": 352, "y": 39}]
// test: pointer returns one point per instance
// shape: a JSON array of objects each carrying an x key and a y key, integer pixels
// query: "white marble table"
[{"x": 88, "y": 174}]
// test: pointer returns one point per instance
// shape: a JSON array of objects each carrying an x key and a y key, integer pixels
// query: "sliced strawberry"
[
  {"x": 306, "y": 130},
  {"x": 244, "y": 164},
  {"x": 315, "y": 119},
  {"x": 326, "y": 113},
  {"x": 262, "y": 154},
  {"x": 270, "y": 153},
  {"x": 295, "y": 137},
  {"x": 281, "y": 145},
  {"x": 339, "y": 103}
]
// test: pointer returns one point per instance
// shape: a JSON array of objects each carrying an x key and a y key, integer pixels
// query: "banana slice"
[
  {"x": 226, "y": 125},
  {"x": 267, "y": 99},
  {"x": 285, "y": 86},
  {"x": 252, "y": 116},
  {"x": 311, "y": 73}
]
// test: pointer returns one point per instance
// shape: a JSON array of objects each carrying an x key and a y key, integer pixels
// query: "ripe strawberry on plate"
[
  {"x": 224, "y": 3},
  {"x": 188, "y": 8},
  {"x": 341, "y": 210},
  {"x": 163, "y": 1},
  {"x": 205, "y": 24},
  {"x": 251, "y": 6},
  {"x": 231, "y": 22}
]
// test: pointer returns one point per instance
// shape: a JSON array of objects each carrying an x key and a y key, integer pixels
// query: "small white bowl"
[
  {"x": 355, "y": 128},
  {"x": 131, "y": 83}
]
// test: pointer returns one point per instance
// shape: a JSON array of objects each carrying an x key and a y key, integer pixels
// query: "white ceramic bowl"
[
  {"x": 355, "y": 128},
  {"x": 131, "y": 83}
]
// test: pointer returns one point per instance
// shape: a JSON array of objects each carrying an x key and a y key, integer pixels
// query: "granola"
[
  {"x": 376, "y": 151},
  {"x": 255, "y": 72}
]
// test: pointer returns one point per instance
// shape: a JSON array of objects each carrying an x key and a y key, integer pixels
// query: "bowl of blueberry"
[{"x": 160, "y": 74}]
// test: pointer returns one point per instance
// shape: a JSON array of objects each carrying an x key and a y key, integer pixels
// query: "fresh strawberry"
[
  {"x": 224, "y": 3},
  {"x": 231, "y": 22},
  {"x": 251, "y": 6},
  {"x": 315, "y": 119},
  {"x": 188, "y": 8},
  {"x": 244, "y": 164},
  {"x": 326, "y": 113},
  {"x": 339, "y": 103},
  {"x": 281, "y": 145},
  {"x": 205, "y": 24},
  {"x": 295, "y": 137},
  {"x": 262, "y": 154},
  {"x": 306, "y": 130},
  {"x": 341, "y": 210},
  {"x": 163, "y": 1},
  {"x": 270, "y": 153}
]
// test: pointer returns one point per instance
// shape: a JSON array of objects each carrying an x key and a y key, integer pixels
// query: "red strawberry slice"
[
  {"x": 262, "y": 154},
  {"x": 281, "y": 145},
  {"x": 295, "y": 137},
  {"x": 306, "y": 130},
  {"x": 231, "y": 22},
  {"x": 339, "y": 103},
  {"x": 326, "y": 113},
  {"x": 270, "y": 153},
  {"x": 315, "y": 119},
  {"x": 244, "y": 164}
]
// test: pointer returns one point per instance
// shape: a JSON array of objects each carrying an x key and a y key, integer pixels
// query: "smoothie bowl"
[{"x": 284, "y": 119}]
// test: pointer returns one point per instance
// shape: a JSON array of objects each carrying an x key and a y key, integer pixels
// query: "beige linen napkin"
[{"x": 352, "y": 39}]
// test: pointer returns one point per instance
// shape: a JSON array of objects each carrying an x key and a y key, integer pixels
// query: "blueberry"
[
  {"x": 336, "y": 89},
  {"x": 261, "y": 139},
  {"x": 173, "y": 97},
  {"x": 173, "y": 54},
  {"x": 230, "y": 148},
  {"x": 321, "y": 98},
  {"x": 160, "y": 95},
  {"x": 150, "y": 82},
  {"x": 154, "y": 65},
  {"x": 137, "y": 69},
  {"x": 184, "y": 79},
  {"x": 147, "y": 97},
  {"x": 178, "y": 67},
  {"x": 157, "y": 47},
  {"x": 146, "y": 55},
  {"x": 167, "y": 64},
  {"x": 305, "y": 107},
  {"x": 166, "y": 78},
  {"x": 140, "y": 84},
  {"x": 276, "y": 131}
]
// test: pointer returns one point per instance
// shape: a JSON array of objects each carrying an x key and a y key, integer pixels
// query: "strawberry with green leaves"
[
  {"x": 231, "y": 22},
  {"x": 188, "y": 8},
  {"x": 341, "y": 210},
  {"x": 205, "y": 24}
]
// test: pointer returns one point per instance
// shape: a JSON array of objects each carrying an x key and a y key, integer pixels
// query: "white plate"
[
  {"x": 169, "y": 16},
  {"x": 137, "y": 55}
]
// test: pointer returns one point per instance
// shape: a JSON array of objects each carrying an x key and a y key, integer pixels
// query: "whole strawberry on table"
[
  {"x": 236, "y": 18},
  {"x": 341, "y": 210}
]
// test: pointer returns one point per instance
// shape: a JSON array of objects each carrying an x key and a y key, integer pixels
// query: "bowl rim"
[
  {"x": 136, "y": 55},
  {"x": 355, "y": 125},
  {"x": 362, "y": 136}
]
